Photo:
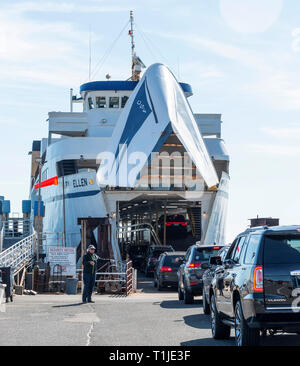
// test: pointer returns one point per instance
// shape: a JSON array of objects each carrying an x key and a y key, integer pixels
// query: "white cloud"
[
  {"x": 45, "y": 52},
  {"x": 244, "y": 56},
  {"x": 279, "y": 88},
  {"x": 278, "y": 150},
  {"x": 63, "y": 7},
  {"x": 289, "y": 133}
]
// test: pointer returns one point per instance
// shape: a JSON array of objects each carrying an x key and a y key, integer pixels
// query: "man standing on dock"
[{"x": 89, "y": 273}]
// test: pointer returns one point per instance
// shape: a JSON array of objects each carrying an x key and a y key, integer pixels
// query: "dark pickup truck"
[{"x": 257, "y": 288}]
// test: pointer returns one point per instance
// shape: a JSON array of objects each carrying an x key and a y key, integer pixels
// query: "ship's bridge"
[{"x": 112, "y": 94}]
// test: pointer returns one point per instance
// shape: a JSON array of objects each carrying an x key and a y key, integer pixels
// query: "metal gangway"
[
  {"x": 141, "y": 227},
  {"x": 19, "y": 255}
]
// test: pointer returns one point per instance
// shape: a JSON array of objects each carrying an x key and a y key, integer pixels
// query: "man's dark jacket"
[{"x": 87, "y": 267}]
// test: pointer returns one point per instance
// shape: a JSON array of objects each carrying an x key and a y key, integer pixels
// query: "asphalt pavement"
[{"x": 148, "y": 318}]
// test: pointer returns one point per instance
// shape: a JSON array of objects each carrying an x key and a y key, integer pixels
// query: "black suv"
[
  {"x": 153, "y": 255},
  {"x": 191, "y": 270},
  {"x": 176, "y": 225},
  {"x": 257, "y": 287},
  {"x": 166, "y": 270}
]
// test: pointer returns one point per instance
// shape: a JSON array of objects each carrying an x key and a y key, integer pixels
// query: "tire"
[
  {"x": 180, "y": 294},
  {"x": 159, "y": 286},
  {"x": 219, "y": 330},
  {"x": 188, "y": 296},
  {"x": 205, "y": 305},
  {"x": 244, "y": 336}
]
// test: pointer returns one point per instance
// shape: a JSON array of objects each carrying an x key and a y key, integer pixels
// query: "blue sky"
[{"x": 241, "y": 57}]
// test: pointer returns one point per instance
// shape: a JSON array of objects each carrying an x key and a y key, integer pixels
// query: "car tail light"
[
  {"x": 258, "y": 281},
  {"x": 193, "y": 283},
  {"x": 170, "y": 223},
  {"x": 195, "y": 265},
  {"x": 216, "y": 248},
  {"x": 165, "y": 269}
]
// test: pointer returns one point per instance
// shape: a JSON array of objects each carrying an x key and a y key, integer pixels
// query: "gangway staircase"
[
  {"x": 20, "y": 255},
  {"x": 195, "y": 221}
]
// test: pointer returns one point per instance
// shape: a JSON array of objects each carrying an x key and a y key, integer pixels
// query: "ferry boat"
[{"x": 136, "y": 152}]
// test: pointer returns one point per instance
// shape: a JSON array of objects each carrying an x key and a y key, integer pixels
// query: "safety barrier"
[
  {"x": 19, "y": 255},
  {"x": 117, "y": 277}
]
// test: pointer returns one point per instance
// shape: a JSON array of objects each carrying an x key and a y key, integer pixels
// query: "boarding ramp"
[{"x": 20, "y": 255}]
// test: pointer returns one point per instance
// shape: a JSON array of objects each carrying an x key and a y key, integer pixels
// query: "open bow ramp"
[{"x": 156, "y": 108}]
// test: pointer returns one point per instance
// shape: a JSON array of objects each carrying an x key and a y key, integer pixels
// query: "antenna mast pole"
[
  {"x": 90, "y": 54},
  {"x": 132, "y": 41}
]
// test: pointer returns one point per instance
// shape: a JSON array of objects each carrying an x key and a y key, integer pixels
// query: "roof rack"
[{"x": 255, "y": 228}]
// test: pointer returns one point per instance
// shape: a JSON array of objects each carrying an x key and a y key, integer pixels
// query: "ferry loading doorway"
[{"x": 159, "y": 220}]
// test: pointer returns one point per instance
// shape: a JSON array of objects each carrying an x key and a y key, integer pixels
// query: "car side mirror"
[
  {"x": 180, "y": 260},
  {"x": 215, "y": 261},
  {"x": 204, "y": 265},
  {"x": 228, "y": 263}
]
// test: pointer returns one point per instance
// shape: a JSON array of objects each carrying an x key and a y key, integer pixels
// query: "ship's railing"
[
  {"x": 139, "y": 227},
  {"x": 20, "y": 254}
]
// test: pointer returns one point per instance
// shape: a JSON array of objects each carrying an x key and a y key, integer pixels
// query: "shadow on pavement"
[
  {"x": 208, "y": 342},
  {"x": 68, "y": 305},
  {"x": 199, "y": 321},
  {"x": 281, "y": 340},
  {"x": 176, "y": 304},
  {"x": 277, "y": 340}
]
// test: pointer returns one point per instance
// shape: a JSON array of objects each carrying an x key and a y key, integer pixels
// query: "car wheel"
[
  {"x": 244, "y": 336},
  {"x": 159, "y": 286},
  {"x": 218, "y": 329},
  {"x": 188, "y": 296},
  {"x": 205, "y": 305},
  {"x": 180, "y": 293}
]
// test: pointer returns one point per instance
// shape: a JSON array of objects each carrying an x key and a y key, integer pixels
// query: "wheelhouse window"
[
  {"x": 91, "y": 103},
  {"x": 124, "y": 100},
  {"x": 101, "y": 102},
  {"x": 114, "y": 102}
]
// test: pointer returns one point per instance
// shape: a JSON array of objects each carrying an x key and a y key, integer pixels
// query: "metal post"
[
  {"x": 156, "y": 219},
  {"x": 39, "y": 214},
  {"x": 71, "y": 100},
  {"x": 150, "y": 219},
  {"x": 165, "y": 227},
  {"x": 82, "y": 249},
  {"x": 64, "y": 212},
  {"x": 135, "y": 280}
]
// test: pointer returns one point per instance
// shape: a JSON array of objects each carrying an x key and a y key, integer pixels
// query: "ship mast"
[{"x": 136, "y": 62}]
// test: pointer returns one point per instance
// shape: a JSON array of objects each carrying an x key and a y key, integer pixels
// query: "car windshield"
[
  {"x": 176, "y": 218},
  {"x": 203, "y": 254},
  {"x": 279, "y": 249},
  {"x": 172, "y": 261}
]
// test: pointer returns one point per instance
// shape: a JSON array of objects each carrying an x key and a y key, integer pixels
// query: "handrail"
[
  {"x": 150, "y": 228},
  {"x": 19, "y": 255}
]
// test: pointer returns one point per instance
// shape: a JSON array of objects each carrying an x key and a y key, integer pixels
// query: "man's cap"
[{"x": 91, "y": 247}]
